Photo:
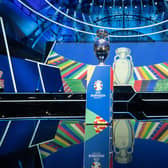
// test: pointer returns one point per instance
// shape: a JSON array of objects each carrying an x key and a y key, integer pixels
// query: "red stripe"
[
  {"x": 111, "y": 79},
  {"x": 160, "y": 131},
  {"x": 80, "y": 127},
  {"x": 140, "y": 73},
  {"x": 158, "y": 73},
  {"x": 66, "y": 74},
  {"x": 67, "y": 133},
  {"x": 165, "y": 63},
  {"x": 142, "y": 128},
  {"x": 137, "y": 85},
  {"x": 83, "y": 75}
]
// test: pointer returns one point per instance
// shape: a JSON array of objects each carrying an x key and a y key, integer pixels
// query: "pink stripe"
[
  {"x": 142, "y": 128},
  {"x": 84, "y": 74},
  {"x": 80, "y": 127},
  {"x": 72, "y": 70},
  {"x": 158, "y": 73},
  {"x": 160, "y": 131},
  {"x": 165, "y": 63},
  {"x": 140, "y": 73},
  {"x": 70, "y": 135}
]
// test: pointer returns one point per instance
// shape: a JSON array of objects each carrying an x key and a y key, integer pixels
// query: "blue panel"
[
  {"x": 28, "y": 158},
  {"x": 71, "y": 157},
  {"x": 18, "y": 136},
  {"x": 26, "y": 75},
  {"x": 46, "y": 131},
  {"x": 4, "y": 66},
  {"x": 52, "y": 78}
]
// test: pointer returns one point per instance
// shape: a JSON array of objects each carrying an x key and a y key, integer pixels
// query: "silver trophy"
[
  {"x": 102, "y": 45},
  {"x": 123, "y": 141},
  {"x": 122, "y": 66}
]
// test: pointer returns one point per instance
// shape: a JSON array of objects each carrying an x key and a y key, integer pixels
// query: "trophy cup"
[
  {"x": 122, "y": 66},
  {"x": 123, "y": 141},
  {"x": 102, "y": 45}
]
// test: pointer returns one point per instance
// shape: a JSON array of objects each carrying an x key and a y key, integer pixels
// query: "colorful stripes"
[
  {"x": 151, "y": 85},
  {"x": 66, "y": 87},
  {"x": 69, "y": 68},
  {"x": 152, "y": 130},
  {"x": 151, "y": 72},
  {"x": 67, "y": 134}
]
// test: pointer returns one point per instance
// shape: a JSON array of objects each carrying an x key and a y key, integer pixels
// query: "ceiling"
[{"x": 34, "y": 22}]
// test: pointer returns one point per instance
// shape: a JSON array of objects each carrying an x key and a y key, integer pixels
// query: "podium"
[{"x": 98, "y": 129}]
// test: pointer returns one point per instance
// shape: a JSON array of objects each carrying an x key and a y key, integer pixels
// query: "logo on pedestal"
[
  {"x": 96, "y": 165},
  {"x": 98, "y": 85}
]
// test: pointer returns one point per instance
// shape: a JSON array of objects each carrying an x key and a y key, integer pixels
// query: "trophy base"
[
  {"x": 123, "y": 160},
  {"x": 101, "y": 64}
]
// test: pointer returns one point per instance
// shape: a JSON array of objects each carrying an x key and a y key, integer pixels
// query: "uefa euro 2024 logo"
[
  {"x": 98, "y": 85},
  {"x": 96, "y": 165}
]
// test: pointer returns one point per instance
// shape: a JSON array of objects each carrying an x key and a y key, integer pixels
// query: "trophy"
[
  {"x": 122, "y": 66},
  {"x": 102, "y": 45},
  {"x": 123, "y": 141}
]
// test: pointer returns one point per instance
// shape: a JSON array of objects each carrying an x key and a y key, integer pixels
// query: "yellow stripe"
[
  {"x": 66, "y": 65},
  {"x": 143, "y": 73},
  {"x": 62, "y": 141},
  {"x": 56, "y": 59},
  {"x": 162, "y": 69},
  {"x": 90, "y": 71},
  {"x": 145, "y": 129},
  {"x": 163, "y": 136},
  {"x": 44, "y": 153},
  {"x": 77, "y": 129},
  {"x": 48, "y": 147}
]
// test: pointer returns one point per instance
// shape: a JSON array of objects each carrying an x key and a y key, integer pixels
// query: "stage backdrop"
[{"x": 142, "y": 53}]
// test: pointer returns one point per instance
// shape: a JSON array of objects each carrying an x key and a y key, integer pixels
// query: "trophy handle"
[
  {"x": 116, "y": 58},
  {"x": 129, "y": 57}
]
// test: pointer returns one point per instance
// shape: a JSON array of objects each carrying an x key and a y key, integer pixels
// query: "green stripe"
[
  {"x": 66, "y": 62},
  {"x": 66, "y": 136},
  {"x": 76, "y": 73},
  {"x": 166, "y": 67},
  {"x": 149, "y": 129},
  {"x": 147, "y": 73},
  {"x": 74, "y": 131},
  {"x": 43, "y": 156},
  {"x": 60, "y": 143},
  {"x": 166, "y": 140},
  {"x": 75, "y": 85},
  {"x": 52, "y": 58},
  {"x": 70, "y": 68},
  {"x": 133, "y": 123}
]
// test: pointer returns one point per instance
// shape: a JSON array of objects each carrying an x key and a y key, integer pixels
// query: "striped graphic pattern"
[
  {"x": 76, "y": 70},
  {"x": 151, "y": 72},
  {"x": 69, "y": 68},
  {"x": 71, "y": 133},
  {"x": 66, "y": 87},
  {"x": 67, "y": 135},
  {"x": 151, "y": 85},
  {"x": 152, "y": 130}
]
